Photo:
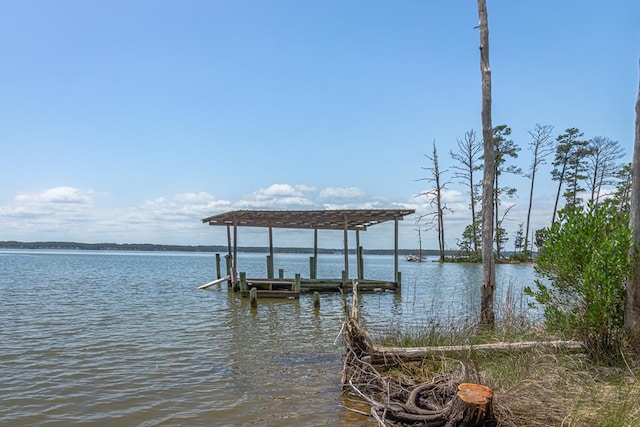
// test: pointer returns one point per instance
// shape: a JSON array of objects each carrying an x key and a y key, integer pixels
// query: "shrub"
[
  {"x": 520, "y": 257},
  {"x": 583, "y": 265}
]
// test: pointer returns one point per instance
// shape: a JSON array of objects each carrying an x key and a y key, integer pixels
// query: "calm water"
[{"x": 112, "y": 338}]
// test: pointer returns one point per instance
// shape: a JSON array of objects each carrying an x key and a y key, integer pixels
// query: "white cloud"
[
  {"x": 342, "y": 193},
  {"x": 57, "y": 195},
  {"x": 362, "y": 205},
  {"x": 278, "y": 196},
  {"x": 66, "y": 213},
  {"x": 58, "y": 202},
  {"x": 280, "y": 190}
]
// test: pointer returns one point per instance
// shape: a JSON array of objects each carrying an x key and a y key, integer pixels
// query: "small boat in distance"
[{"x": 415, "y": 258}]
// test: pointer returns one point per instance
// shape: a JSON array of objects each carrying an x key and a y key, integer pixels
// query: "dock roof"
[{"x": 330, "y": 219}]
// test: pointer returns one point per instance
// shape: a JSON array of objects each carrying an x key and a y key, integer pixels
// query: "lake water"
[{"x": 127, "y": 339}]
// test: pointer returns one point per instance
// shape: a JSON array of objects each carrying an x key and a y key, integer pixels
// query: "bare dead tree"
[
  {"x": 467, "y": 156},
  {"x": 541, "y": 146},
  {"x": 603, "y": 157},
  {"x": 420, "y": 256},
  {"x": 632, "y": 302},
  {"x": 435, "y": 196},
  {"x": 487, "y": 313}
]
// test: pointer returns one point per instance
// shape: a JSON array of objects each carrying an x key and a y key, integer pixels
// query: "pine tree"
[{"x": 567, "y": 144}]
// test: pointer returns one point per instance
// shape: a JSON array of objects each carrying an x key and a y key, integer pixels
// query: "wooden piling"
[
  {"x": 243, "y": 283},
  {"x": 269, "y": 266},
  {"x": 316, "y": 300},
  {"x": 315, "y": 254},
  {"x": 218, "y": 272},
  {"x": 312, "y": 268},
  {"x": 227, "y": 259},
  {"x": 281, "y": 273},
  {"x": 297, "y": 283},
  {"x": 253, "y": 296}
]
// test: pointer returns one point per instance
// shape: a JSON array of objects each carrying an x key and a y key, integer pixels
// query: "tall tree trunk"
[
  {"x": 541, "y": 149},
  {"x": 594, "y": 183},
  {"x": 496, "y": 223},
  {"x": 560, "y": 182},
  {"x": 441, "y": 232},
  {"x": 526, "y": 233},
  {"x": 474, "y": 221},
  {"x": 487, "y": 315},
  {"x": 632, "y": 304},
  {"x": 440, "y": 208}
]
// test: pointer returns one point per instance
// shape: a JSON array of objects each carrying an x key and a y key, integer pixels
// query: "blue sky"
[{"x": 129, "y": 121}]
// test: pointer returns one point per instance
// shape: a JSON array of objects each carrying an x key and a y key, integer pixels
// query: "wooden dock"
[{"x": 345, "y": 220}]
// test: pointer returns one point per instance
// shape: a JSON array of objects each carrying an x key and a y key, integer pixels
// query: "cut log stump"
[{"x": 471, "y": 406}]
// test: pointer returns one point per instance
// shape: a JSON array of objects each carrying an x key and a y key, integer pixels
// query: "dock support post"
[
  {"x": 360, "y": 263},
  {"x": 281, "y": 273},
  {"x": 218, "y": 272},
  {"x": 395, "y": 251},
  {"x": 270, "y": 256},
  {"x": 234, "y": 268},
  {"x": 315, "y": 253},
  {"x": 243, "y": 283},
  {"x": 399, "y": 284},
  {"x": 269, "y": 266},
  {"x": 297, "y": 283},
  {"x": 253, "y": 296},
  {"x": 344, "y": 279},
  {"x": 346, "y": 247},
  {"x": 358, "y": 256},
  {"x": 316, "y": 300},
  {"x": 312, "y": 268},
  {"x": 228, "y": 261}
]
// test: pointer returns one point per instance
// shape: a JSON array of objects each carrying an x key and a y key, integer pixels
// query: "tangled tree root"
[{"x": 446, "y": 401}]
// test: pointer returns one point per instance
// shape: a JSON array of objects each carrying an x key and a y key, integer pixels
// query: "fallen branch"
[
  {"x": 416, "y": 353},
  {"x": 444, "y": 402}
]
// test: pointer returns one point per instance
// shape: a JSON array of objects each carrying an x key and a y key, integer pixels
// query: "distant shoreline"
[{"x": 149, "y": 247}]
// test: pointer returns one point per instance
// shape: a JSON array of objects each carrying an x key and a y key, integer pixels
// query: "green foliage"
[
  {"x": 518, "y": 242},
  {"x": 622, "y": 194},
  {"x": 467, "y": 244},
  {"x": 540, "y": 237},
  {"x": 500, "y": 238},
  {"x": 584, "y": 265},
  {"x": 519, "y": 257}
]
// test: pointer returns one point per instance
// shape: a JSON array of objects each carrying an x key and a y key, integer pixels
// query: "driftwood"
[
  {"x": 446, "y": 401},
  {"x": 417, "y": 353}
]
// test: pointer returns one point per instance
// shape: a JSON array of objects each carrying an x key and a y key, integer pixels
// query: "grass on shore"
[{"x": 534, "y": 388}]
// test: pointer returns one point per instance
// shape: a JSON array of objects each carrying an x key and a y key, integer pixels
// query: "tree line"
[
  {"x": 584, "y": 170},
  {"x": 151, "y": 247}
]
